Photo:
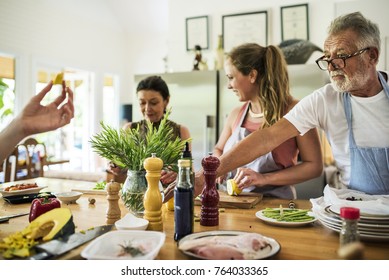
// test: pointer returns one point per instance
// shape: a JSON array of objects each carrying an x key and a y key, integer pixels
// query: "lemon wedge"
[
  {"x": 58, "y": 79},
  {"x": 232, "y": 187},
  {"x": 170, "y": 204}
]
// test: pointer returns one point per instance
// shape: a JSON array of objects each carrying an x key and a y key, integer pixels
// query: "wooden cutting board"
[{"x": 242, "y": 201}]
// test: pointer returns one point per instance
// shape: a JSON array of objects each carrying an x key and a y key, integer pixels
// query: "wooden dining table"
[{"x": 309, "y": 242}]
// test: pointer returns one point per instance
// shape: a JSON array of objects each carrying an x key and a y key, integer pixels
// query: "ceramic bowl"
[
  {"x": 68, "y": 197},
  {"x": 110, "y": 246},
  {"x": 131, "y": 222}
]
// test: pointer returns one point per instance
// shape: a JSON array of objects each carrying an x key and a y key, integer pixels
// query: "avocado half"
[{"x": 50, "y": 225}]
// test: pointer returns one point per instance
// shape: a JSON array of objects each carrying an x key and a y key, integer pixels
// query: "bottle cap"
[
  {"x": 349, "y": 213},
  {"x": 210, "y": 163},
  {"x": 187, "y": 153},
  {"x": 183, "y": 163}
]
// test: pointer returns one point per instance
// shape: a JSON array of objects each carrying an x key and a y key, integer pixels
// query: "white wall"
[
  {"x": 128, "y": 37},
  {"x": 320, "y": 15},
  {"x": 376, "y": 11}
]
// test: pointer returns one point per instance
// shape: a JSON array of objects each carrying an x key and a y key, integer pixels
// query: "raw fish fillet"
[{"x": 239, "y": 247}]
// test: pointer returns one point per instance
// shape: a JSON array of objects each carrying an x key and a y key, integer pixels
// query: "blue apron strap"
[
  {"x": 384, "y": 84},
  {"x": 347, "y": 108}
]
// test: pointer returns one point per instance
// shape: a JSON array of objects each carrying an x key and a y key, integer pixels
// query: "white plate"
[
  {"x": 335, "y": 209},
  {"x": 335, "y": 219},
  {"x": 131, "y": 222},
  {"x": 362, "y": 236},
  {"x": 21, "y": 192},
  {"x": 362, "y": 231},
  {"x": 271, "y": 221},
  {"x": 107, "y": 246},
  {"x": 68, "y": 197},
  {"x": 273, "y": 248}
]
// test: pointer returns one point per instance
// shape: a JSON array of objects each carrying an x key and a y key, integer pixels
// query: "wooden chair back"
[
  {"x": 35, "y": 157},
  {"x": 10, "y": 166},
  {"x": 26, "y": 161}
]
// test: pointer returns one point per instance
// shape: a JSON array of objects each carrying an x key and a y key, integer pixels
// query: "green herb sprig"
[{"x": 127, "y": 148}]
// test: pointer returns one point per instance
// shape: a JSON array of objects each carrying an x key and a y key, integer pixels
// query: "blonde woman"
[{"x": 258, "y": 77}]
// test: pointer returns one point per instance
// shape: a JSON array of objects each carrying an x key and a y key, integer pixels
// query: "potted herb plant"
[{"x": 128, "y": 148}]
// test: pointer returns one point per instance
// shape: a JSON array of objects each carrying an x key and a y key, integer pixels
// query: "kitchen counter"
[{"x": 309, "y": 242}]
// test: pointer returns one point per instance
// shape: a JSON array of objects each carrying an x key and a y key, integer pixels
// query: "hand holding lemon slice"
[
  {"x": 58, "y": 79},
  {"x": 232, "y": 187}
]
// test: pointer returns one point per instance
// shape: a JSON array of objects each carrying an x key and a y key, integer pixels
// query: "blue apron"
[{"x": 370, "y": 165}]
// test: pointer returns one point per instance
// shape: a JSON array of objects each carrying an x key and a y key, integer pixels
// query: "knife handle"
[{"x": 41, "y": 256}]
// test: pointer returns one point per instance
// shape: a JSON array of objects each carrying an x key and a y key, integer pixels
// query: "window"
[
  {"x": 70, "y": 142},
  {"x": 7, "y": 88},
  {"x": 109, "y": 112}
]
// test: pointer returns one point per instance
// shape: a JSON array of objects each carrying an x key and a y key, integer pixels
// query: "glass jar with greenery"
[{"x": 128, "y": 148}]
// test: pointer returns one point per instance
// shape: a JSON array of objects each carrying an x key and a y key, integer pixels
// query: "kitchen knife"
[
  {"x": 6, "y": 218},
  {"x": 57, "y": 247}
]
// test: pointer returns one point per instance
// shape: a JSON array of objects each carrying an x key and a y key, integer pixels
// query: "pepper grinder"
[
  {"x": 152, "y": 200},
  {"x": 113, "y": 211},
  {"x": 209, "y": 215}
]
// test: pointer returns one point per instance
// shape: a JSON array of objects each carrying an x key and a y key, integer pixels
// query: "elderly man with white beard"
[{"x": 353, "y": 111}]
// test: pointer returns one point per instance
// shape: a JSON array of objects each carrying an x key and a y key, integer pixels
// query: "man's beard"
[{"x": 348, "y": 84}]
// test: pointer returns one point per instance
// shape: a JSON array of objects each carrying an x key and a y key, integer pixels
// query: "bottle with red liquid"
[{"x": 209, "y": 215}]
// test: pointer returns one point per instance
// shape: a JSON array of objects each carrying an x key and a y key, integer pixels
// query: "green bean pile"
[{"x": 287, "y": 215}]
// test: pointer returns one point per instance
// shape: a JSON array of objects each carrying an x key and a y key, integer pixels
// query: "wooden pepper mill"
[
  {"x": 152, "y": 200},
  {"x": 113, "y": 211},
  {"x": 209, "y": 215}
]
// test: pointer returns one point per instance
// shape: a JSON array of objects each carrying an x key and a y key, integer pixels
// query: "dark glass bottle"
[
  {"x": 183, "y": 201},
  {"x": 209, "y": 215},
  {"x": 187, "y": 154}
]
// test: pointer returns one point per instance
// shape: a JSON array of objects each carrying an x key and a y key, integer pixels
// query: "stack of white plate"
[{"x": 372, "y": 227}]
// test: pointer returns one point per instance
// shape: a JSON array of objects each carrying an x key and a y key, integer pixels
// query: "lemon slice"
[
  {"x": 170, "y": 204},
  {"x": 58, "y": 79},
  {"x": 232, "y": 187}
]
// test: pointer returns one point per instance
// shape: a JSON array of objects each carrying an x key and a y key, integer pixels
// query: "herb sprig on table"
[
  {"x": 100, "y": 185},
  {"x": 128, "y": 249}
]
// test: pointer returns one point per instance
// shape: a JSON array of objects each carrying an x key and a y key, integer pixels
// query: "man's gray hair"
[{"x": 368, "y": 32}]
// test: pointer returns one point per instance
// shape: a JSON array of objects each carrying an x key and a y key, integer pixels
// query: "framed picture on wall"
[
  {"x": 197, "y": 33},
  {"x": 294, "y": 22},
  {"x": 244, "y": 28}
]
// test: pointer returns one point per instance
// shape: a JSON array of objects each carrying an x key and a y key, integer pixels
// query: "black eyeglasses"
[{"x": 337, "y": 62}]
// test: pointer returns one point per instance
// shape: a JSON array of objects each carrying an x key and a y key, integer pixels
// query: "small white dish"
[
  {"x": 68, "y": 197},
  {"x": 145, "y": 245},
  {"x": 131, "y": 222}
]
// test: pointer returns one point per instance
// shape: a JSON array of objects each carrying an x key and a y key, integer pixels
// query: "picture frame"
[
  {"x": 295, "y": 22},
  {"x": 197, "y": 32},
  {"x": 243, "y": 28}
]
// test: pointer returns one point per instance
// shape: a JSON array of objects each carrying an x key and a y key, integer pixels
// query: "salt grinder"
[
  {"x": 209, "y": 215},
  {"x": 113, "y": 211},
  {"x": 152, "y": 200}
]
